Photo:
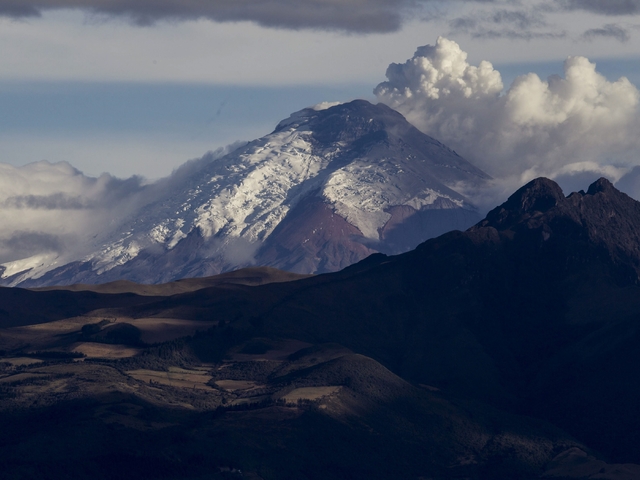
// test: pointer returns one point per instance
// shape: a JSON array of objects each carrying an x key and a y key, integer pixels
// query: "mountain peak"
[
  {"x": 362, "y": 108},
  {"x": 540, "y": 195},
  {"x": 329, "y": 186},
  {"x": 600, "y": 185},
  {"x": 540, "y": 212}
]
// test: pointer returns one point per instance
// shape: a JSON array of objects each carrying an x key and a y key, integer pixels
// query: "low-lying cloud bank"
[
  {"x": 50, "y": 208},
  {"x": 566, "y": 127},
  {"x": 54, "y": 210}
]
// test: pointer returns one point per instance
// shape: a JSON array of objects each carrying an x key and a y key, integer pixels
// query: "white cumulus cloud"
[{"x": 536, "y": 127}]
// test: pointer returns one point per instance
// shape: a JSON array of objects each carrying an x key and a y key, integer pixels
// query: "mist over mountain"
[
  {"x": 331, "y": 184},
  {"x": 327, "y": 188}
]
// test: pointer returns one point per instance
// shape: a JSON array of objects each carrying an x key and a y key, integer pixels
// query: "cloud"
[
  {"x": 504, "y": 23},
  {"x": 610, "y": 30},
  {"x": 18, "y": 9},
  {"x": 53, "y": 208},
  {"x": 516, "y": 20},
  {"x": 355, "y": 16},
  {"x": 603, "y": 7},
  {"x": 491, "y": 19},
  {"x": 537, "y": 127},
  {"x": 511, "y": 34},
  {"x": 24, "y": 244},
  {"x": 55, "y": 201},
  {"x": 362, "y": 16}
]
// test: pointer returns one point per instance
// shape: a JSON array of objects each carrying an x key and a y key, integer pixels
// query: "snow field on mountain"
[
  {"x": 362, "y": 192},
  {"x": 244, "y": 195}
]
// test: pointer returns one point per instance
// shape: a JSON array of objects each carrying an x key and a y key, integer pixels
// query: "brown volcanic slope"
[
  {"x": 246, "y": 276},
  {"x": 40, "y": 305},
  {"x": 506, "y": 351}
]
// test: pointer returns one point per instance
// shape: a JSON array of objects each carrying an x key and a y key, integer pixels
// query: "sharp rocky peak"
[
  {"x": 543, "y": 195},
  {"x": 540, "y": 214},
  {"x": 601, "y": 185},
  {"x": 540, "y": 195},
  {"x": 537, "y": 196}
]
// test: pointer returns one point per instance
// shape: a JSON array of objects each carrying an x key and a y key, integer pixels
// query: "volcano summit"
[{"x": 328, "y": 187}]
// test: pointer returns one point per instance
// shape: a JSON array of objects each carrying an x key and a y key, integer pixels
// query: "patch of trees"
[
  {"x": 303, "y": 403},
  {"x": 243, "y": 407},
  {"x": 93, "y": 328},
  {"x": 7, "y": 393},
  {"x": 209, "y": 346},
  {"x": 55, "y": 355},
  {"x": 175, "y": 352},
  {"x": 118, "y": 333},
  {"x": 256, "y": 347},
  {"x": 252, "y": 371},
  {"x": 213, "y": 344}
]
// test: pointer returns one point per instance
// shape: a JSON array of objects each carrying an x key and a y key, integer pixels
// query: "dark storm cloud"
[
  {"x": 350, "y": 15},
  {"x": 607, "y": 31},
  {"x": 604, "y": 7}
]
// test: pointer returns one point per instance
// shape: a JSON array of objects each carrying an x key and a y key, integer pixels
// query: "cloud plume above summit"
[
  {"x": 552, "y": 126},
  {"x": 55, "y": 210}
]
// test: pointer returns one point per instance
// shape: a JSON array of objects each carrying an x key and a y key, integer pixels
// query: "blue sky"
[
  {"x": 143, "y": 128},
  {"x": 134, "y": 91}
]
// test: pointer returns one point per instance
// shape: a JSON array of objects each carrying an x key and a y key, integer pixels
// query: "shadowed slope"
[{"x": 527, "y": 310}]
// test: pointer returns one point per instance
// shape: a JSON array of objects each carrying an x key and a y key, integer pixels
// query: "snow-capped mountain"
[{"x": 326, "y": 188}]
